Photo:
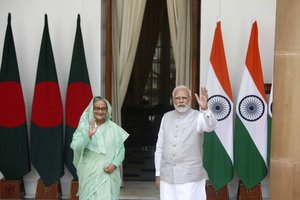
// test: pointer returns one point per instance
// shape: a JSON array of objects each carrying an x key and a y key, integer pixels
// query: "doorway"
[{"x": 149, "y": 91}]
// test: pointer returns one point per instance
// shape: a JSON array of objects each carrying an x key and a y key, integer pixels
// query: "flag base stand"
[
  {"x": 212, "y": 194},
  {"x": 51, "y": 192},
  {"x": 11, "y": 189},
  {"x": 253, "y": 193},
  {"x": 73, "y": 190}
]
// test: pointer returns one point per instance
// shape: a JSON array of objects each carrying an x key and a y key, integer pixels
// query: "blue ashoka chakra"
[
  {"x": 251, "y": 108},
  {"x": 220, "y": 106},
  {"x": 271, "y": 108}
]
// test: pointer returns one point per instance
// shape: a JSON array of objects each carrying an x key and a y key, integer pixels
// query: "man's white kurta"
[{"x": 178, "y": 155}]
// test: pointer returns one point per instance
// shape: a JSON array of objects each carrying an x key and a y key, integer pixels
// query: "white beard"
[{"x": 182, "y": 109}]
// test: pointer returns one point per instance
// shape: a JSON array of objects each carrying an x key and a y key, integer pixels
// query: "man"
[{"x": 178, "y": 157}]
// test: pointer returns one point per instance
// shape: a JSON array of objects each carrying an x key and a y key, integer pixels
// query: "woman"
[{"x": 98, "y": 145}]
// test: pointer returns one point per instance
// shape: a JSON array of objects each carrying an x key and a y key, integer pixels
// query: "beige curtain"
[
  {"x": 179, "y": 12},
  {"x": 127, "y": 17}
]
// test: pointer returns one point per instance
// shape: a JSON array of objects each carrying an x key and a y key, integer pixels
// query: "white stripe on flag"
[{"x": 257, "y": 129}]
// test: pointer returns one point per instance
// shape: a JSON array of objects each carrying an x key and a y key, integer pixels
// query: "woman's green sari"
[{"x": 91, "y": 156}]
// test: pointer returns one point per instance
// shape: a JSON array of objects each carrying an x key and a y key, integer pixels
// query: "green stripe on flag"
[
  {"x": 248, "y": 162},
  {"x": 216, "y": 161},
  {"x": 269, "y": 138}
]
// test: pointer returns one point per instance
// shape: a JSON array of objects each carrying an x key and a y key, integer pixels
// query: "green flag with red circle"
[
  {"x": 79, "y": 94},
  {"x": 14, "y": 151},
  {"x": 47, "y": 116}
]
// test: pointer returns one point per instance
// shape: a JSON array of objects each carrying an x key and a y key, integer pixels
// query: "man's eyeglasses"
[{"x": 98, "y": 109}]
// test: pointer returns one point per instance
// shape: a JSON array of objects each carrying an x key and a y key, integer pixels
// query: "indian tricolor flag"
[
  {"x": 270, "y": 112},
  {"x": 218, "y": 145},
  {"x": 250, "y": 138}
]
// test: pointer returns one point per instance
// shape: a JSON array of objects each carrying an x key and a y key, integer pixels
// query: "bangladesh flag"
[
  {"x": 250, "y": 138},
  {"x": 47, "y": 116},
  {"x": 218, "y": 144},
  {"x": 79, "y": 95},
  {"x": 14, "y": 152}
]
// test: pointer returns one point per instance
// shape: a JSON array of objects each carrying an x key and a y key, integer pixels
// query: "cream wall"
[
  {"x": 27, "y": 25},
  {"x": 236, "y": 20}
]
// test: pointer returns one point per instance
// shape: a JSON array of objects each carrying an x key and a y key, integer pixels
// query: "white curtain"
[
  {"x": 127, "y": 18},
  {"x": 179, "y": 13}
]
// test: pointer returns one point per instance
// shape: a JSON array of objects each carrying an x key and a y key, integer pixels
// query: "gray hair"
[{"x": 182, "y": 87}]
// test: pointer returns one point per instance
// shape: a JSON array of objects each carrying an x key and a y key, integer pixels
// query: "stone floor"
[
  {"x": 135, "y": 190},
  {"x": 139, "y": 190},
  {"x": 139, "y": 174}
]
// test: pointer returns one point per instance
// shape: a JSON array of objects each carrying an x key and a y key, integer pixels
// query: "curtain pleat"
[
  {"x": 179, "y": 13},
  {"x": 126, "y": 26}
]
